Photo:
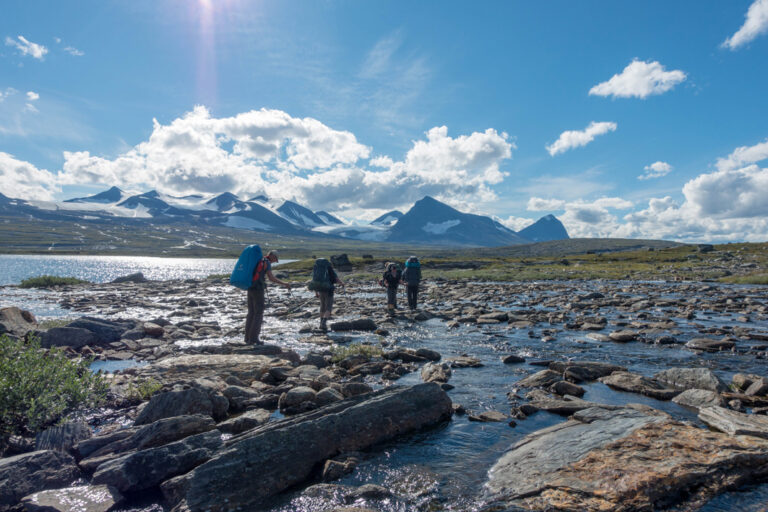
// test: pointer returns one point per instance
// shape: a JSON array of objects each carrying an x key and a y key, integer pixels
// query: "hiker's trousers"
[
  {"x": 413, "y": 295},
  {"x": 255, "y": 314},
  {"x": 392, "y": 296},
  {"x": 326, "y": 303}
]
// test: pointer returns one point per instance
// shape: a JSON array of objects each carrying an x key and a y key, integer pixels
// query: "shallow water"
[
  {"x": 444, "y": 468},
  {"x": 102, "y": 269}
]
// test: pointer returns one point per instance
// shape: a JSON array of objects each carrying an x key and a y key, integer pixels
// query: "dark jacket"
[{"x": 391, "y": 281}]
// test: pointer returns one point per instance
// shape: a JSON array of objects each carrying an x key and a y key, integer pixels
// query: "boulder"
[
  {"x": 148, "y": 468},
  {"x": 341, "y": 262},
  {"x": 692, "y": 378},
  {"x": 426, "y": 353},
  {"x": 176, "y": 403},
  {"x": 85, "y": 448},
  {"x": 626, "y": 460},
  {"x": 432, "y": 372},
  {"x": 297, "y": 397},
  {"x": 349, "y": 389},
  {"x": 62, "y": 437},
  {"x": 580, "y": 371},
  {"x": 153, "y": 330},
  {"x": 328, "y": 396},
  {"x": 734, "y": 423},
  {"x": 17, "y": 322},
  {"x": 623, "y": 336},
  {"x": 32, "y": 472},
  {"x": 464, "y": 362},
  {"x": 564, "y": 406},
  {"x": 742, "y": 381},
  {"x": 137, "y": 277},
  {"x": 239, "y": 396},
  {"x": 566, "y": 388},
  {"x": 512, "y": 359},
  {"x": 280, "y": 454},
  {"x": 541, "y": 379},
  {"x": 758, "y": 388},
  {"x": 360, "y": 324},
  {"x": 710, "y": 345},
  {"x": 106, "y": 331},
  {"x": 698, "y": 398},
  {"x": 83, "y": 498},
  {"x": 488, "y": 417},
  {"x": 74, "y": 337},
  {"x": 246, "y": 421},
  {"x": 160, "y": 432},
  {"x": 634, "y": 383}
]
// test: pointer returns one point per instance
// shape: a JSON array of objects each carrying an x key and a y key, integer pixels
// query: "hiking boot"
[{"x": 324, "y": 324}]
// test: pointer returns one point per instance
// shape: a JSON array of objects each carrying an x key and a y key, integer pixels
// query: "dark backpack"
[
  {"x": 321, "y": 276},
  {"x": 412, "y": 274}
]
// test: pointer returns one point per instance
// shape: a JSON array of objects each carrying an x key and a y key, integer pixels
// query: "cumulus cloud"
[
  {"x": 756, "y": 23},
  {"x": 516, "y": 223},
  {"x": 576, "y": 138},
  {"x": 538, "y": 204},
  {"x": 26, "y": 47},
  {"x": 639, "y": 79},
  {"x": 269, "y": 152},
  {"x": 19, "y": 179},
  {"x": 744, "y": 155},
  {"x": 32, "y": 96},
  {"x": 737, "y": 193},
  {"x": 655, "y": 170}
]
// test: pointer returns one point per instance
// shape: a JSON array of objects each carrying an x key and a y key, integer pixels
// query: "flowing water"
[{"x": 445, "y": 467}]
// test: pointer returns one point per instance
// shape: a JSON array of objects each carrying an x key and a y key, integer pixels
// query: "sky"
[{"x": 623, "y": 119}]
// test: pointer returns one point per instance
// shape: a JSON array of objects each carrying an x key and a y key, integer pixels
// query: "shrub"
[
  {"x": 369, "y": 351},
  {"x": 48, "y": 281},
  {"x": 40, "y": 386},
  {"x": 143, "y": 390}
]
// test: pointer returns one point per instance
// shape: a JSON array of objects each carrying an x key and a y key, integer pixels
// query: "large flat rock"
[
  {"x": 528, "y": 465},
  {"x": 625, "y": 461},
  {"x": 242, "y": 366},
  {"x": 268, "y": 459}
]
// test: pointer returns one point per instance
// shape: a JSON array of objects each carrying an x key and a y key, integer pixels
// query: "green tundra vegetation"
[
  {"x": 49, "y": 281},
  {"x": 744, "y": 263},
  {"x": 39, "y": 387}
]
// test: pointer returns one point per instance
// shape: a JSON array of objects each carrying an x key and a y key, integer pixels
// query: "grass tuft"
[
  {"x": 342, "y": 352},
  {"x": 49, "y": 281}
]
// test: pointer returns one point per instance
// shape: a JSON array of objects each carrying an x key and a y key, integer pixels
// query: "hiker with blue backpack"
[
  {"x": 323, "y": 283},
  {"x": 412, "y": 278},
  {"x": 250, "y": 273}
]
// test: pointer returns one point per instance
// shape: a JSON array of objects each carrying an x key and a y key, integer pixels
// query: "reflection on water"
[{"x": 102, "y": 269}]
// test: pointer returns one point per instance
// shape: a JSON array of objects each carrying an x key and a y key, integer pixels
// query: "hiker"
[
  {"x": 391, "y": 279},
  {"x": 412, "y": 278},
  {"x": 256, "y": 294},
  {"x": 324, "y": 281}
]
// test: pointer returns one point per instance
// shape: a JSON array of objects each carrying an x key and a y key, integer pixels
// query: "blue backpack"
[{"x": 242, "y": 275}]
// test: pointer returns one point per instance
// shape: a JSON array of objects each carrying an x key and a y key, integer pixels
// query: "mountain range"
[{"x": 428, "y": 221}]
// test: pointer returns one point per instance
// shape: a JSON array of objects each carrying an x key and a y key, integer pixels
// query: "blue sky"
[{"x": 368, "y": 106}]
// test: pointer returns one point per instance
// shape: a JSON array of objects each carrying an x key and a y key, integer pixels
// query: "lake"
[{"x": 102, "y": 269}]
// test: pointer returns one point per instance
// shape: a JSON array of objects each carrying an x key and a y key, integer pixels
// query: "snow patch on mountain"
[{"x": 440, "y": 228}]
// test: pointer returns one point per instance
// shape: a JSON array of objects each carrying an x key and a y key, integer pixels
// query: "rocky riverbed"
[{"x": 586, "y": 395}]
